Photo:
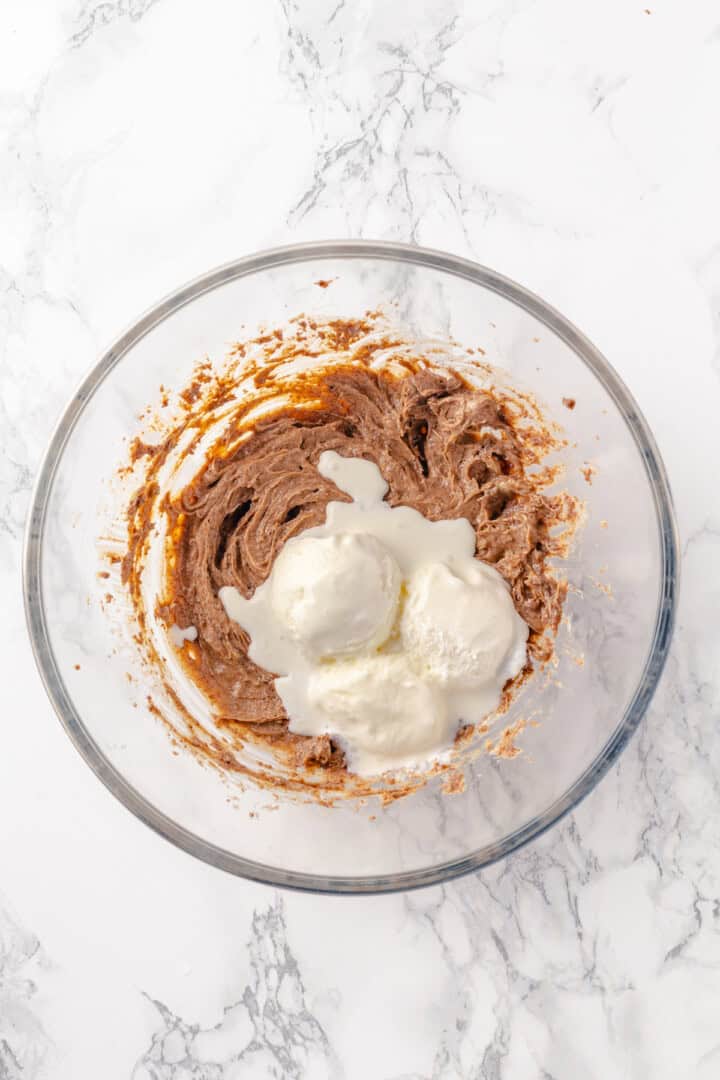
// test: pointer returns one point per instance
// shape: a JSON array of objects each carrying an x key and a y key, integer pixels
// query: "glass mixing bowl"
[{"x": 611, "y": 650}]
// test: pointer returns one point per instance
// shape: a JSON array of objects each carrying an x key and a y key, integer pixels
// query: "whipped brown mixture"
[{"x": 445, "y": 447}]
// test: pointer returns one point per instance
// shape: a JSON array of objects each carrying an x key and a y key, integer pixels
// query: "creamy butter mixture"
[
  {"x": 355, "y": 559},
  {"x": 383, "y": 628}
]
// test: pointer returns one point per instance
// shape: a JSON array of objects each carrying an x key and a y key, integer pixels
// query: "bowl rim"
[{"x": 218, "y": 856}]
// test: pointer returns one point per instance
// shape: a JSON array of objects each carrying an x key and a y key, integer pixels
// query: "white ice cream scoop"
[
  {"x": 460, "y": 627},
  {"x": 336, "y": 594},
  {"x": 380, "y": 711}
]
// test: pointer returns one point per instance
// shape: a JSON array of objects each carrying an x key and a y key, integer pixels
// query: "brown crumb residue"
[
  {"x": 569, "y": 402},
  {"x": 76, "y": 666},
  {"x": 323, "y": 283},
  {"x": 140, "y": 449},
  {"x": 506, "y": 747},
  {"x": 454, "y": 783},
  {"x": 588, "y": 472}
]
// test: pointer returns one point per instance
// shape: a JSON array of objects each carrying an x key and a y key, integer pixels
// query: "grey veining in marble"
[
  {"x": 23, "y": 1041},
  {"x": 269, "y": 1030}
]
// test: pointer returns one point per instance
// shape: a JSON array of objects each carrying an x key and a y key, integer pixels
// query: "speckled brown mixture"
[{"x": 445, "y": 448}]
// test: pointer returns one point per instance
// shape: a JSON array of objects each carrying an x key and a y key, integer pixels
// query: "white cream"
[
  {"x": 458, "y": 626},
  {"x": 179, "y": 636},
  {"x": 390, "y": 685},
  {"x": 310, "y": 594},
  {"x": 372, "y": 700}
]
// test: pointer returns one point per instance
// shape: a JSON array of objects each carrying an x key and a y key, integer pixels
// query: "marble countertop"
[{"x": 573, "y": 147}]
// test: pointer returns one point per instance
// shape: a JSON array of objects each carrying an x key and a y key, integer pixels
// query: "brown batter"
[{"x": 445, "y": 448}]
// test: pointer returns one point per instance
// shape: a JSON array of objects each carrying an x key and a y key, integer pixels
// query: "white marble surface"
[{"x": 574, "y": 147}]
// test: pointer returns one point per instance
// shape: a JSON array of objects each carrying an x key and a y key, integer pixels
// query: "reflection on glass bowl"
[{"x": 611, "y": 648}]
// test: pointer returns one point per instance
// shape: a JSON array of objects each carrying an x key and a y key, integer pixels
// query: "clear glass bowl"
[{"x": 622, "y": 572}]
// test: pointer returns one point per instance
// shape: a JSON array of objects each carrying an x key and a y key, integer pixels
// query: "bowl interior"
[{"x": 610, "y": 649}]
